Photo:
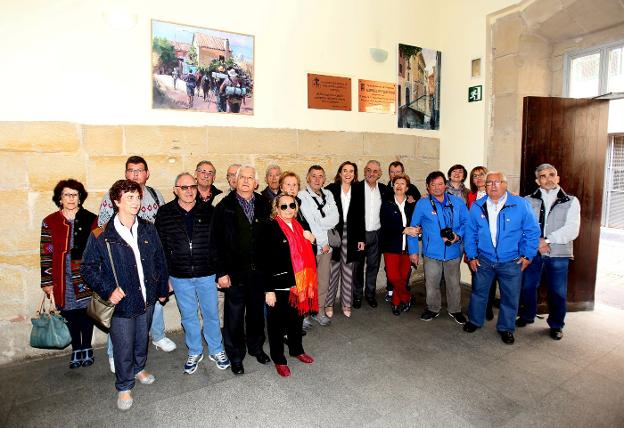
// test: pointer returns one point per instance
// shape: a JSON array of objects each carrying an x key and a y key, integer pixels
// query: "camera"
[{"x": 447, "y": 233}]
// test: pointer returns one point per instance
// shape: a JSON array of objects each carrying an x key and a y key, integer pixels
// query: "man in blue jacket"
[
  {"x": 501, "y": 240},
  {"x": 442, "y": 218}
]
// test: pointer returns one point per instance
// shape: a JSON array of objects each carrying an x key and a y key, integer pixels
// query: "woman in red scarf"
[{"x": 291, "y": 284}]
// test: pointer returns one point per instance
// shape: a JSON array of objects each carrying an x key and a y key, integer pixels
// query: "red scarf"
[{"x": 304, "y": 295}]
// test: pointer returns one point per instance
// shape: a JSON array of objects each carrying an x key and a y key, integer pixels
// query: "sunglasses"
[
  {"x": 284, "y": 207},
  {"x": 185, "y": 188}
]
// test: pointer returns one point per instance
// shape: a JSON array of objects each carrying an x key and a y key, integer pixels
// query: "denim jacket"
[{"x": 97, "y": 271}]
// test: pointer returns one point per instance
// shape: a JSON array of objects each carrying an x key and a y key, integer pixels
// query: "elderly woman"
[
  {"x": 395, "y": 216},
  {"x": 456, "y": 178},
  {"x": 291, "y": 284},
  {"x": 350, "y": 202},
  {"x": 126, "y": 264},
  {"x": 64, "y": 235}
]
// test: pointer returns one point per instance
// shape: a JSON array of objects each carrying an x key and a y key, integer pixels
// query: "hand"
[
  {"x": 411, "y": 199},
  {"x": 162, "y": 299},
  {"x": 224, "y": 282},
  {"x": 474, "y": 264},
  {"x": 48, "y": 289},
  {"x": 325, "y": 249},
  {"x": 269, "y": 298},
  {"x": 116, "y": 296},
  {"x": 414, "y": 259},
  {"x": 309, "y": 236},
  {"x": 361, "y": 246},
  {"x": 418, "y": 230},
  {"x": 410, "y": 231},
  {"x": 544, "y": 247},
  {"x": 524, "y": 262}
]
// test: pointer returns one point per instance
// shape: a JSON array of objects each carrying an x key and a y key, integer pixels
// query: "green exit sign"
[{"x": 475, "y": 93}]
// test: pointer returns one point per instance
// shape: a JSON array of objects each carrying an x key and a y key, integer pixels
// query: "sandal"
[
  {"x": 346, "y": 310},
  {"x": 329, "y": 311}
]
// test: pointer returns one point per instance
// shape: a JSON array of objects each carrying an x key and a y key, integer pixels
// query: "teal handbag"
[{"x": 49, "y": 328}]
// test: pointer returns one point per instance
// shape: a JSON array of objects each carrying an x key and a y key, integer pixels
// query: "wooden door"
[{"x": 570, "y": 134}]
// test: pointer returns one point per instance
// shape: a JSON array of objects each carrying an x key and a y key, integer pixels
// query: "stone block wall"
[{"x": 34, "y": 156}]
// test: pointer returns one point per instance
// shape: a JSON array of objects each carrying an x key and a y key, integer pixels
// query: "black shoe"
[
  {"x": 470, "y": 327},
  {"x": 237, "y": 368},
  {"x": 429, "y": 315},
  {"x": 396, "y": 310},
  {"x": 87, "y": 357},
  {"x": 388, "y": 296},
  {"x": 262, "y": 358},
  {"x": 357, "y": 303},
  {"x": 458, "y": 317},
  {"x": 407, "y": 306},
  {"x": 556, "y": 334},
  {"x": 76, "y": 359},
  {"x": 507, "y": 337},
  {"x": 489, "y": 314},
  {"x": 372, "y": 302},
  {"x": 523, "y": 323}
]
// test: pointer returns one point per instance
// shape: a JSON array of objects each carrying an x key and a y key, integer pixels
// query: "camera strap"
[{"x": 435, "y": 210}]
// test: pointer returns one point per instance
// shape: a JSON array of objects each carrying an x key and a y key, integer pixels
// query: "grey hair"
[
  {"x": 234, "y": 165},
  {"x": 542, "y": 167},
  {"x": 272, "y": 167},
  {"x": 240, "y": 168},
  {"x": 205, "y": 162},
  {"x": 375, "y": 162},
  {"x": 180, "y": 175},
  {"x": 503, "y": 176}
]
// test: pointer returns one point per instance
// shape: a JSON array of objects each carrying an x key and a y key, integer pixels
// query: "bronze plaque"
[
  {"x": 329, "y": 92},
  {"x": 376, "y": 97}
]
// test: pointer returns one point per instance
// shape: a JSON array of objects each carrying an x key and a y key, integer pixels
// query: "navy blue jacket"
[
  {"x": 97, "y": 271},
  {"x": 391, "y": 240}
]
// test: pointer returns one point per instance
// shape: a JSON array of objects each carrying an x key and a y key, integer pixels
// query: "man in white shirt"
[
  {"x": 374, "y": 194},
  {"x": 559, "y": 218},
  {"x": 321, "y": 212}
]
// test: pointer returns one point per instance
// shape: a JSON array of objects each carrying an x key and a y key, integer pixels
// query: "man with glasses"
[
  {"x": 184, "y": 229},
  {"x": 205, "y": 174},
  {"x": 501, "y": 240},
  {"x": 137, "y": 171},
  {"x": 230, "y": 176}
]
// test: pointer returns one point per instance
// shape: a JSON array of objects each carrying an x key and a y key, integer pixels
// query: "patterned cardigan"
[{"x": 55, "y": 241}]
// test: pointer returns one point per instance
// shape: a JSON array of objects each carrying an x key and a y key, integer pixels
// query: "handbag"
[
  {"x": 100, "y": 309},
  {"x": 49, "y": 328},
  {"x": 334, "y": 238}
]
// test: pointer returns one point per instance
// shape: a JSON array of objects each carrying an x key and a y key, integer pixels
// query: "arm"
[
  {"x": 92, "y": 268},
  {"x": 106, "y": 210},
  {"x": 570, "y": 230},
  {"x": 460, "y": 230},
  {"x": 471, "y": 234},
  {"x": 412, "y": 241},
  {"x": 311, "y": 214},
  {"x": 46, "y": 250},
  {"x": 530, "y": 233},
  {"x": 160, "y": 263}
]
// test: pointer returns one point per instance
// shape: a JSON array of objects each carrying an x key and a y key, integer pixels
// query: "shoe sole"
[
  {"x": 217, "y": 363},
  {"x": 194, "y": 369},
  {"x": 428, "y": 319},
  {"x": 455, "y": 319}
]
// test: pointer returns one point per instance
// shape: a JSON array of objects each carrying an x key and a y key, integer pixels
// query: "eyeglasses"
[
  {"x": 135, "y": 171},
  {"x": 185, "y": 188},
  {"x": 208, "y": 173},
  {"x": 70, "y": 195},
  {"x": 284, "y": 207},
  {"x": 491, "y": 183},
  {"x": 477, "y": 175}
]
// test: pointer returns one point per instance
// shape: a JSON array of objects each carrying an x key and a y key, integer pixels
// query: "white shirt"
[
  {"x": 131, "y": 239},
  {"x": 372, "y": 206},
  {"x": 345, "y": 198},
  {"x": 493, "y": 210},
  {"x": 401, "y": 206},
  {"x": 569, "y": 231}
]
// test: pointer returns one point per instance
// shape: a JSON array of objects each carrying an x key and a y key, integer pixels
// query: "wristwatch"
[{"x": 547, "y": 241}]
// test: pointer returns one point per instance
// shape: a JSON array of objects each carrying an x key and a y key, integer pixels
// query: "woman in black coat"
[
  {"x": 395, "y": 217},
  {"x": 291, "y": 283},
  {"x": 350, "y": 202}
]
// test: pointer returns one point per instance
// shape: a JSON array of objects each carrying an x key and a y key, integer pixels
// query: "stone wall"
[{"x": 34, "y": 156}]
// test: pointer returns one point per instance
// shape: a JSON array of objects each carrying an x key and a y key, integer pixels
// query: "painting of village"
[
  {"x": 418, "y": 87},
  {"x": 200, "y": 69}
]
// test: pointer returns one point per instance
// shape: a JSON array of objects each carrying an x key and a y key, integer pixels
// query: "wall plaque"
[
  {"x": 376, "y": 97},
  {"x": 329, "y": 92}
]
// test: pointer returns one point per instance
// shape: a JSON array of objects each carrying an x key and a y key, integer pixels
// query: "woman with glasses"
[
  {"x": 291, "y": 283},
  {"x": 64, "y": 235}
]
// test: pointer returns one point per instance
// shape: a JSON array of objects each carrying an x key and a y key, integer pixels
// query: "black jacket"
[
  {"x": 391, "y": 239},
  {"x": 237, "y": 244},
  {"x": 384, "y": 191},
  {"x": 356, "y": 231},
  {"x": 186, "y": 258},
  {"x": 213, "y": 192},
  {"x": 277, "y": 265}
]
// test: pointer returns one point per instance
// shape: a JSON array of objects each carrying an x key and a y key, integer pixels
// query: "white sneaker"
[
  {"x": 165, "y": 344},
  {"x": 111, "y": 363}
]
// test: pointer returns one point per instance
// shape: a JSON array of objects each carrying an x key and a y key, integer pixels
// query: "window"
[{"x": 595, "y": 71}]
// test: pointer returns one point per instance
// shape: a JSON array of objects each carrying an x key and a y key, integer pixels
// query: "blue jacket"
[
  {"x": 97, "y": 272},
  {"x": 517, "y": 232},
  {"x": 453, "y": 214}
]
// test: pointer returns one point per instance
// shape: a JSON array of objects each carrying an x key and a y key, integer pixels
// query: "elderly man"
[
  {"x": 137, "y": 171},
  {"x": 184, "y": 229},
  {"x": 501, "y": 239},
  {"x": 237, "y": 225},
  {"x": 374, "y": 194},
  {"x": 231, "y": 179},
  {"x": 205, "y": 174},
  {"x": 321, "y": 212},
  {"x": 273, "y": 173},
  {"x": 559, "y": 217}
]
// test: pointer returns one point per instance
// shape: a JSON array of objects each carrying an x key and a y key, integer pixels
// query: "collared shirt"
[
  {"x": 372, "y": 206},
  {"x": 549, "y": 198},
  {"x": 247, "y": 206},
  {"x": 345, "y": 198},
  {"x": 130, "y": 236},
  {"x": 401, "y": 206},
  {"x": 493, "y": 210}
]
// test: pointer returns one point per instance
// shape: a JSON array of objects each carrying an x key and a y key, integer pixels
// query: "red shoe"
[
  {"x": 305, "y": 358},
  {"x": 282, "y": 370}
]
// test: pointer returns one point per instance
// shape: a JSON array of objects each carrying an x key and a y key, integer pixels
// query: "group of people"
[
  {"x": 228, "y": 87},
  {"x": 238, "y": 257}
]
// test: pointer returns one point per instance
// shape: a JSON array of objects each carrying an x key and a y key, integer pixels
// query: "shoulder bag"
[{"x": 100, "y": 309}]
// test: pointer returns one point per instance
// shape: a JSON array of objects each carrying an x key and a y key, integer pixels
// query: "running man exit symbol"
[{"x": 475, "y": 93}]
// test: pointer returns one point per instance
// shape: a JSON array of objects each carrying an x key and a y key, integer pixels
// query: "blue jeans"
[
  {"x": 130, "y": 337},
  {"x": 555, "y": 270},
  {"x": 157, "y": 330},
  {"x": 191, "y": 293},
  {"x": 509, "y": 278}
]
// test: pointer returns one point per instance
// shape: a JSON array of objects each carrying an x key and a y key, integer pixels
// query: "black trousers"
[
  {"x": 284, "y": 319},
  {"x": 80, "y": 327},
  {"x": 243, "y": 317},
  {"x": 372, "y": 259}
]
